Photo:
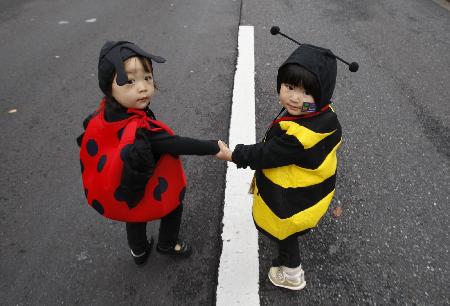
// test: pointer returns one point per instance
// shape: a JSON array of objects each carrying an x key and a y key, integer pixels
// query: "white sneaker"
[{"x": 290, "y": 278}]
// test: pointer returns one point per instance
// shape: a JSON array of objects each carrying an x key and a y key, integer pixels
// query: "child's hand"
[{"x": 224, "y": 153}]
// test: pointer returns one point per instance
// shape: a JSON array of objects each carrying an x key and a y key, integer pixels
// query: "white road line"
[{"x": 238, "y": 281}]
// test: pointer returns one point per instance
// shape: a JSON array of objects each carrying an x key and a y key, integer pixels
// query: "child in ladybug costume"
[
  {"x": 129, "y": 160},
  {"x": 295, "y": 164}
]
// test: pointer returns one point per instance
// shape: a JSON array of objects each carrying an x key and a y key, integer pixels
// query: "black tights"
[
  {"x": 169, "y": 229},
  {"x": 289, "y": 251}
]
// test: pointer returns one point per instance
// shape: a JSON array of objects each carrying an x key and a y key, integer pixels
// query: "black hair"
[
  {"x": 148, "y": 67},
  {"x": 296, "y": 75}
]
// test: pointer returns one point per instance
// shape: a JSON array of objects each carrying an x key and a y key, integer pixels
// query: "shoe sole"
[{"x": 299, "y": 287}]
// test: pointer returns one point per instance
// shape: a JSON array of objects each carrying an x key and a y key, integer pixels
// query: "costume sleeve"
[
  {"x": 285, "y": 150},
  {"x": 164, "y": 143},
  {"x": 138, "y": 167},
  {"x": 139, "y": 162},
  {"x": 276, "y": 152}
]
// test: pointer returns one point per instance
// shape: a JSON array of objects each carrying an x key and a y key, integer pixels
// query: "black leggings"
[
  {"x": 288, "y": 253},
  {"x": 169, "y": 229}
]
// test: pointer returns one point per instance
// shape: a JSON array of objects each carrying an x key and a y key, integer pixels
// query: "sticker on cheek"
[{"x": 308, "y": 107}]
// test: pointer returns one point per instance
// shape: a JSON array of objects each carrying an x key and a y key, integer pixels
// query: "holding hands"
[{"x": 225, "y": 152}]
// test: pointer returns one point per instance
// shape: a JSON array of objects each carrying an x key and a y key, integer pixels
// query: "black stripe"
[
  {"x": 270, "y": 236},
  {"x": 285, "y": 202},
  {"x": 313, "y": 157}
]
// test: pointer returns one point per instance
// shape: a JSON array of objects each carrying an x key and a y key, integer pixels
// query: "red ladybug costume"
[
  {"x": 129, "y": 160},
  {"x": 103, "y": 148}
]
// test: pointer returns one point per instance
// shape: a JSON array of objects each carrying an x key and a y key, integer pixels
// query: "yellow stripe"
[
  {"x": 305, "y": 136},
  {"x": 293, "y": 176},
  {"x": 282, "y": 228}
]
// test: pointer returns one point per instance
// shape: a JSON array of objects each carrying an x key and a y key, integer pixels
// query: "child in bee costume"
[{"x": 295, "y": 164}]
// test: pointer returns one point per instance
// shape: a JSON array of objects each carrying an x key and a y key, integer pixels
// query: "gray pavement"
[{"x": 54, "y": 249}]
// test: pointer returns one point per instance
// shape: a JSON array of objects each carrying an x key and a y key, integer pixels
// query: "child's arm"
[
  {"x": 163, "y": 143},
  {"x": 138, "y": 167},
  {"x": 278, "y": 151},
  {"x": 139, "y": 163}
]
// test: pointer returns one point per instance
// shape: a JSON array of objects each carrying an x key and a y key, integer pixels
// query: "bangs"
[
  {"x": 146, "y": 63},
  {"x": 296, "y": 75}
]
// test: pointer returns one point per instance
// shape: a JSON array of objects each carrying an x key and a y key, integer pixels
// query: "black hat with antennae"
[{"x": 353, "y": 67}]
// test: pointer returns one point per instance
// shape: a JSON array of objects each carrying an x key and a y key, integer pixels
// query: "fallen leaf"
[
  {"x": 337, "y": 212},
  {"x": 11, "y": 111}
]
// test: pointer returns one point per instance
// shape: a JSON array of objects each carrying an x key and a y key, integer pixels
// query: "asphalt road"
[
  {"x": 391, "y": 243},
  {"x": 389, "y": 246},
  {"x": 54, "y": 249}
]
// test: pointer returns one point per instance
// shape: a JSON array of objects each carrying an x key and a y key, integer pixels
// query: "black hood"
[
  {"x": 112, "y": 56},
  {"x": 322, "y": 64}
]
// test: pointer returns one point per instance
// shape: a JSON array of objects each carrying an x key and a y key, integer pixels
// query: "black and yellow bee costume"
[{"x": 296, "y": 163}]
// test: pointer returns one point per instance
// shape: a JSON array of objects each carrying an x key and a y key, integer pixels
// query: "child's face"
[
  {"x": 292, "y": 98},
  {"x": 139, "y": 89}
]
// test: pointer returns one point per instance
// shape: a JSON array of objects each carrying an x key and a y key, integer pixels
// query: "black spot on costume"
[
  {"x": 101, "y": 163},
  {"x": 98, "y": 207},
  {"x": 92, "y": 147},
  {"x": 160, "y": 188}
]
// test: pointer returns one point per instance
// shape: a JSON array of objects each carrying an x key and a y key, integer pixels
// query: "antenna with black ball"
[{"x": 353, "y": 67}]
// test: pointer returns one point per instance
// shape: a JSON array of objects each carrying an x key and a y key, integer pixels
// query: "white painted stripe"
[{"x": 238, "y": 281}]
